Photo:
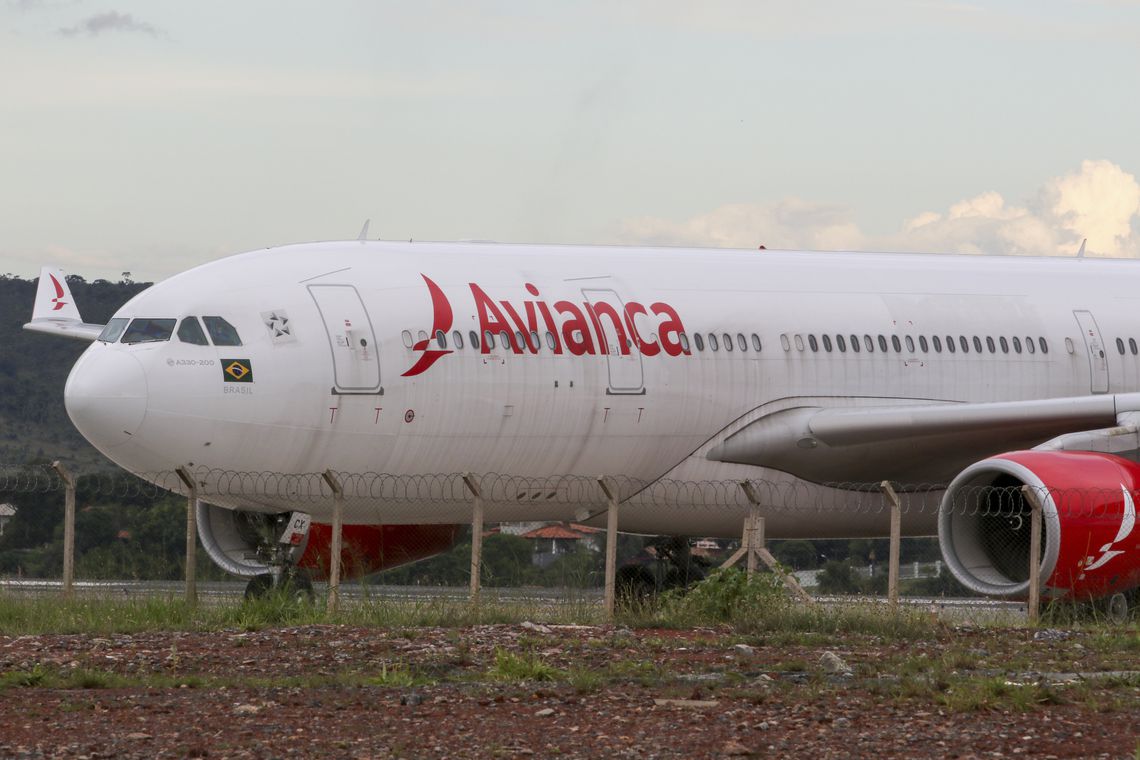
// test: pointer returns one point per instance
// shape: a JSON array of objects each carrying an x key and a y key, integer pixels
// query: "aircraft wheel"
[
  {"x": 299, "y": 588},
  {"x": 259, "y": 586},
  {"x": 1116, "y": 608}
]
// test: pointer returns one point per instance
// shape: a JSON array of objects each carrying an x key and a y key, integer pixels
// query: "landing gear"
[
  {"x": 293, "y": 584},
  {"x": 668, "y": 564},
  {"x": 278, "y": 540}
]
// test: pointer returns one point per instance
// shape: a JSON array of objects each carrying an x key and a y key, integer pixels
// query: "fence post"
[
  {"x": 754, "y": 546},
  {"x": 611, "y": 547},
  {"x": 68, "y": 528},
  {"x": 896, "y": 538},
  {"x": 1034, "y": 553},
  {"x": 337, "y": 538},
  {"x": 191, "y": 535},
  {"x": 476, "y": 536}
]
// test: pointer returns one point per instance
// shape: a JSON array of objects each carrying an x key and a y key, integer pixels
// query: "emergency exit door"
[{"x": 352, "y": 341}]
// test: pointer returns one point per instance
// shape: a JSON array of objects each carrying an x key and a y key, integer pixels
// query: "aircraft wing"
[
  {"x": 925, "y": 444},
  {"x": 55, "y": 312}
]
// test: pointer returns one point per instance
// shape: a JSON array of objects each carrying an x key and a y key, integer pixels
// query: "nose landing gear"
[{"x": 279, "y": 541}]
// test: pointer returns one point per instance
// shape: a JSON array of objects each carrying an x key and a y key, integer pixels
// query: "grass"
[{"x": 512, "y": 667}]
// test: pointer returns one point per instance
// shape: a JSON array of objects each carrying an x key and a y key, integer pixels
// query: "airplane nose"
[{"x": 106, "y": 396}]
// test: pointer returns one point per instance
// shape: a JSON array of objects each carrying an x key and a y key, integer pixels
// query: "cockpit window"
[
  {"x": 221, "y": 332},
  {"x": 149, "y": 330},
  {"x": 191, "y": 332},
  {"x": 113, "y": 330}
]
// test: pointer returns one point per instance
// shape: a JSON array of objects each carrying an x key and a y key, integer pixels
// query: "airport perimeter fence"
[{"x": 555, "y": 536}]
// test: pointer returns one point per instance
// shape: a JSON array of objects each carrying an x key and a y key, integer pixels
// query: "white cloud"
[
  {"x": 1100, "y": 201},
  {"x": 111, "y": 21}
]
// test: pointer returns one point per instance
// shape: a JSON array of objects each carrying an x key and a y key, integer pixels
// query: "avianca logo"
[
  {"x": 580, "y": 329},
  {"x": 1127, "y": 523},
  {"x": 58, "y": 294}
]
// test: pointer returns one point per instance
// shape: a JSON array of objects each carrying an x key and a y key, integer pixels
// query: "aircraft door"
[
  {"x": 626, "y": 373},
  {"x": 1098, "y": 360},
  {"x": 352, "y": 341}
]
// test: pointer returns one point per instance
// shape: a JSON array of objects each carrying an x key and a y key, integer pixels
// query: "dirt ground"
[{"x": 566, "y": 692}]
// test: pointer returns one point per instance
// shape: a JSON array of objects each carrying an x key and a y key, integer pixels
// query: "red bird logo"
[
  {"x": 441, "y": 321},
  {"x": 58, "y": 294}
]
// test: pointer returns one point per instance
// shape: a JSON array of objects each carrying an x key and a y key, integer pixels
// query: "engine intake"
[{"x": 1088, "y": 546}]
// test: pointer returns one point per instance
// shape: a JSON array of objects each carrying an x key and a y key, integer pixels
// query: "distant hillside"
[{"x": 34, "y": 367}]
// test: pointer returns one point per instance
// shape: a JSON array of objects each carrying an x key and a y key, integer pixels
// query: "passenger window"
[
  {"x": 406, "y": 336},
  {"x": 895, "y": 343},
  {"x": 1120, "y": 346},
  {"x": 473, "y": 338},
  {"x": 1029, "y": 345},
  {"x": 855, "y": 343},
  {"x": 741, "y": 342},
  {"x": 923, "y": 344},
  {"x": 489, "y": 340},
  {"x": 799, "y": 342},
  {"x": 755, "y": 342},
  {"x": 1004, "y": 345},
  {"x": 1070, "y": 349},
  {"x": 221, "y": 332},
  {"x": 1016, "y": 345},
  {"x": 727, "y": 342},
  {"x": 521, "y": 343},
  {"x": 813, "y": 344},
  {"x": 457, "y": 339},
  {"x": 505, "y": 340},
  {"x": 550, "y": 340},
  {"x": 977, "y": 344},
  {"x": 712, "y": 342},
  {"x": 964, "y": 344},
  {"x": 841, "y": 344},
  {"x": 1044, "y": 346},
  {"x": 882, "y": 344},
  {"x": 698, "y": 341},
  {"x": 909, "y": 345},
  {"x": 1132, "y": 346},
  {"x": 869, "y": 344},
  {"x": 190, "y": 331},
  {"x": 950, "y": 344},
  {"x": 784, "y": 342},
  {"x": 937, "y": 343},
  {"x": 684, "y": 342},
  {"x": 990, "y": 344},
  {"x": 113, "y": 330},
  {"x": 826, "y": 342},
  {"x": 149, "y": 330},
  {"x": 535, "y": 341},
  {"x": 441, "y": 338}
]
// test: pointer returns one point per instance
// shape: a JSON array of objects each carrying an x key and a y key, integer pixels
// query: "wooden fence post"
[
  {"x": 896, "y": 539},
  {"x": 1031, "y": 496},
  {"x": 611, "y": 547},
  {"x": 330, "y": 477},
  {"x": 191, "y": 535},
  {"x": 68, "y": 528},
  {"x": 476, "y": 536}
]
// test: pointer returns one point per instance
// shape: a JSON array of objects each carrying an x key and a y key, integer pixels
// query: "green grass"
[{"x": 522, "y": 667}]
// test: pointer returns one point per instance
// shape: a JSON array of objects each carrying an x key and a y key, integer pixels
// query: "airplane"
[{"x": 672, "y": 371}]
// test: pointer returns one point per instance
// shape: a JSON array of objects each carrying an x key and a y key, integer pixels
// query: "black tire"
[
  {"x": 259, "y": 586},
  {"x": 634, "y": 584},
  {"x": 299, "y": 587}
]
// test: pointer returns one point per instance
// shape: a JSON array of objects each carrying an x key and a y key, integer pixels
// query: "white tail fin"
[{"x": 55, "y": 311}]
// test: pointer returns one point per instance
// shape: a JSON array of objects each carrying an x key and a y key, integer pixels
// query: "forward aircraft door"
[
  {"x": 623, "y": 360},
  {"x": 1098, "y": 362},
  {"x": 355, "y": 354}
]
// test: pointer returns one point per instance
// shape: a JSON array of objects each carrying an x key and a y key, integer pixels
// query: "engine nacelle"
[
  {"x": 1089, "y": 547},
  {"x": 231, "y": 539}
]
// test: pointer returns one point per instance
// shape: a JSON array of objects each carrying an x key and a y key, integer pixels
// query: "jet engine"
[
  {"x": 1089, "y": 547},
  {"x": 238, "y": 541}
]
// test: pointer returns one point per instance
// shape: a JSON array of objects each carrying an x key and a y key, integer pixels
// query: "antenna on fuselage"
[
  {"x": 364, "y": 231},
  {"x": 1081, "y": 253}
]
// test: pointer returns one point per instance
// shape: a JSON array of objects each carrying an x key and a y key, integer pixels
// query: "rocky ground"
[{"x": 568, "y": 691}]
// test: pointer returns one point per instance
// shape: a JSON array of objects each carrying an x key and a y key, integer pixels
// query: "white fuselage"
[{"x": 334, "y": 336}]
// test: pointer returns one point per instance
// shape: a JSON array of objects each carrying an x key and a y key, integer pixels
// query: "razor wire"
[{"x": 773, "y": 496}]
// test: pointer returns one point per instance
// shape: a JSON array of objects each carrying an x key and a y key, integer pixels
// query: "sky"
[{"x": 152, "y": 137}]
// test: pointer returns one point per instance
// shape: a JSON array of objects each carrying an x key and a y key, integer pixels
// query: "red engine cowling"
[
  {"x": 368, "y": 549},
  {"x": 1089, "y": 545}
]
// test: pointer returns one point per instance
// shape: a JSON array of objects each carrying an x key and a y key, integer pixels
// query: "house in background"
[
  {"x": 7, "y": 512},
  {"x": 555, "y": 539}
]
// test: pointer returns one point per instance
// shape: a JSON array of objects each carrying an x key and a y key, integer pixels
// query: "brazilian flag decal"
[{"x": 237, "y": 370}]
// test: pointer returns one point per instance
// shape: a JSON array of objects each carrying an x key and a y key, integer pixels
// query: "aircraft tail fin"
[{"x": 55, "y": 312}]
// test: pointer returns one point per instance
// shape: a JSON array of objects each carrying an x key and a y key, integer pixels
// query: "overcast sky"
[{"x": 150, "y": 137}]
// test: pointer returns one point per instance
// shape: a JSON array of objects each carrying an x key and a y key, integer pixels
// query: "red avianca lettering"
[
  {"x": 585, "y": 329},
  {"x": 580, "y": 329}
]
